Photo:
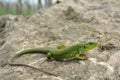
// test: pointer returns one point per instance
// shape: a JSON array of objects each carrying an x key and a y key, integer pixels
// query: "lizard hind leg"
[
  {"x": 61, "y": 47},
  {"x": 49, "y": 57}
]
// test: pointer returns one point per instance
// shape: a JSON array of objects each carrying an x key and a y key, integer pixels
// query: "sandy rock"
[{"x": 69, "y": 22}]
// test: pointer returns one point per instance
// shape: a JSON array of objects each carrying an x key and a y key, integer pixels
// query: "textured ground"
[{"x": 68, "y": 22}]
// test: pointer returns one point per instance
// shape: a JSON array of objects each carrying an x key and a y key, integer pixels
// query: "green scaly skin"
[{"x": 60, "y": 53}]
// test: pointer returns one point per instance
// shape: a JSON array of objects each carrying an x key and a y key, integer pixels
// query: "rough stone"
[{"x": 50, "y": 27}]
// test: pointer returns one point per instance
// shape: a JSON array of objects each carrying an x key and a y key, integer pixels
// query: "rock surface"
[{"x": 68, "y": 22}]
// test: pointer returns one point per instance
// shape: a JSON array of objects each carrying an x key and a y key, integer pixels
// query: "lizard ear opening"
[
  {"x": 84, "y": 46},
  {"x": 91, "y": 43}
]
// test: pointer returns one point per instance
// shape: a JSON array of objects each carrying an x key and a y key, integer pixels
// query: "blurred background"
[{"x": 23, "y": 7}]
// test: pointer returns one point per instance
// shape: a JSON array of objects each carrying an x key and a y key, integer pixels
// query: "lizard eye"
[{"x": 90, "y": 43}]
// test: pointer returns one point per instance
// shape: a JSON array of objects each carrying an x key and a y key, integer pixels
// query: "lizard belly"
[{"x": 65, "y": 55}]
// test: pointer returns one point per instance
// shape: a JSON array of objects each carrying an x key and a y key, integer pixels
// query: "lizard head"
[{"x": 90, "y": 45}]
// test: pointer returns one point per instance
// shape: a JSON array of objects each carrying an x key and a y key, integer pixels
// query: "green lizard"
[{"x": 60, "y": 53}]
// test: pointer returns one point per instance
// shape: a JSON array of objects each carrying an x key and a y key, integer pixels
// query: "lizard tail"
[
  {"x": 25, "y": 65},
  {"x": 29, "y": 51}
]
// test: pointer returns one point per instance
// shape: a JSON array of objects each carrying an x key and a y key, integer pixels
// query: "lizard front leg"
[{"x": 81, "y": 57}]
